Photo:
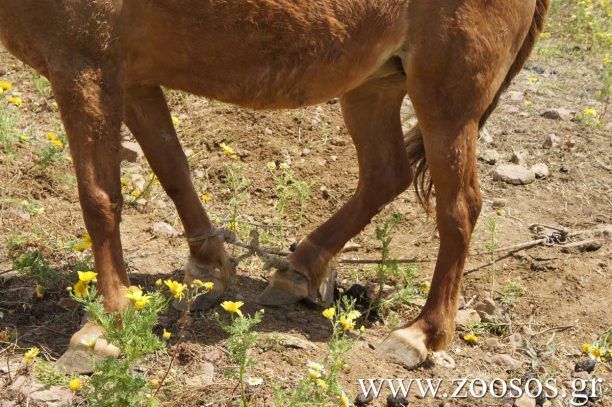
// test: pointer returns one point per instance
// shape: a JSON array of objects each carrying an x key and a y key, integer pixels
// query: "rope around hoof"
[{"x": 544, "y": 236}]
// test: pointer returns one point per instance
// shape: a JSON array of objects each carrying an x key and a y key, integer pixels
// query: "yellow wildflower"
[
  {"x": 322, "y": 384},
  {"x": 208, "y": 285},
  {"x": 206, "y": 198},
  {"x": 74, "y": 384},
  {"x": 16, "y": 100},
  {"x": 232, "y": 307},
  {"x": 197, "y": 283},
  {"x": 89, "y": 341},
  {"x": 175, "y": 121},
  {"x": 30, "y": 354},
  {"x": 589, "y": 112},
  {"x": 314, "y": 374},
  {"x": 329, "y": 313},
  {"x": 159, "y": 282},
  {"x": 532, "y": 80},
  {"x": 4, "y": 85},
  {"x": 284, "y": 166},
  {"x": 528, "y": 102},
  {"x": 271, "y": 165},
  {"x": 166, "y": 335},
  {"x": 40, "y": 291},
  {"x": 81, "y": 289},
  {"x": 87, "y": 276},
  {"x": 23, "y": 137},
  {"x": 227, "y": 149},
  {"x": 546, "y": 35},
  {"x": 362, "y": 329},
  {"x": 136, "y": 295},
  {"x": 425, "y": 287},
  {"x": 354, "y": 314},
  {"x": 84, "y": 244},
  {"x": 596, "y": 354},
  {"x": 586, "y": 347},
  {"x": 470, "y": 338},
  {"x": 347, "y": 323},
  {"x": 154, "y": 383},
  {"x": 176, "y": 288},
  {"x": 344, "y": 401}
]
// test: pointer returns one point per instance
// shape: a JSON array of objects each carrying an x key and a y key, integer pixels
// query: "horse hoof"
[
  {"x": 286, "y": 287},
  {"x": 405, "y": 346},
  {"x": 87, "y": 347}
]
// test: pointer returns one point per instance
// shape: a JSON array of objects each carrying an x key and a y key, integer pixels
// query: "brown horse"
[{"x": 107, "y": 60}]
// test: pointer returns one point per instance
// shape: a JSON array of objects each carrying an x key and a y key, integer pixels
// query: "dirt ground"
[{"x": 565, "y": 300}]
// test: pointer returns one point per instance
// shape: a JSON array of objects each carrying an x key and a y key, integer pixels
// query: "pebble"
[
  {"x": 306, "y": 152},
  {"x": 363, "y": 400},
  {"x": 513, "y": 174},
  {"x": 131, "y": 151},
  {"x": 164, "y": 229},
  {"x": 396, "y": 401},
  {"x": 557, "y": 114},
  {"x": 485, "y": 136},
  {"x": 507, "y": 361},
  {"x": 585, "y": 365},
  {"x": 519, "y": 157},
  {"x": 525, "y": 401},
  {"x": 466, "y": 318},
  {"x": 516, "y": 340},
  {"x": 499, "y": 203},
  {"x": 488, "y": 311},
  {"x": 551, "y": 141},
  {"x": 489, "y": 156},
  {"x": 443, "y": 359},
  {"x": 516, "y": 96},
  {"x": 541, "y": 170},
  {"x": 204, "y": 378}
]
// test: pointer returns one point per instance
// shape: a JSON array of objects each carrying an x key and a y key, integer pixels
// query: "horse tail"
[{"x": 414, "y": 138}]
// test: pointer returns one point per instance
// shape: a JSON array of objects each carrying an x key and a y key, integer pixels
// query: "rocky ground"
[{"x": 545, "y": 167}]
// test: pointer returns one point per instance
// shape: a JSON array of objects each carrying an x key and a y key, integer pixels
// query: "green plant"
[
  {"x": 491, "y": 246},
  {"x": 512, "y": 290},
  {"x": 321, "y": 385},
  {"x": 43, "y": 86},
  {"x": 8, "y": 136},
  {"x": 241, "y": 339},
  {"x": 238, "y": 185},
  {"x": 33, "y": 265},
  {"x": 289, "y": 191}
]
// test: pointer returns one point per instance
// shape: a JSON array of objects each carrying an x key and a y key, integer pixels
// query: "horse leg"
[
  {"x": 89, "y": 101},
  {"x": 372, "y": 116},
  {"x": 148, "y": 118},
  {"x": 453, "y": 78}
]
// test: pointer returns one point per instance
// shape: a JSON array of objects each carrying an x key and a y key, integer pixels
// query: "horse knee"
[{"x": 102, "y": 210}]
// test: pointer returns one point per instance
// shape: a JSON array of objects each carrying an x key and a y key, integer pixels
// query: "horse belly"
[{"x": 259, "y": 57}]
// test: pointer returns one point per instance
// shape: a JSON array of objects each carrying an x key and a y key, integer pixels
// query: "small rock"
[
  {"x": 204, "y": 378},
  {"x": 516, "y": 340},
  {"x": 557, "y": 114},
  {"x": 351, "y": 247},
  {"x": 485, "y": 136},
  {"x": 499, "y": 203},
  {"x": 466, "y": 318},
  {"x": 514, "y": 174},
  {"x": 334, "y": 158},
  {"x": 443, "y": 359},
  {"x": 290, "y": 341},
  {"x": 516, "y": 96},
  {"x": 54, "y": 396},
  {"x": 492, "y": 342},
  {"x": 519, "y": 158},
  {"x": 306, "y": 152},
  {"x": 363, "y": 400},
  {"x": 164, "y": 229},
  {"x": 396, "y": 401},
  {"x": 268, "y": 131},
  {"x": 525, "y": 401},
  {"x": 583, "y": 375},
  {"x": 570, "y": 143},
  {"x": 507, "y": 361},
  {"x": 551, "y": 141},
  {"x": 585, "y": 365},
  {"x": 541, "y": 170},
  {"x": 488, "y": 312},
  {"x": 131, "y": 151},
  {"x": 489, "y": 156},
  {"x": 584, "y": 246}
]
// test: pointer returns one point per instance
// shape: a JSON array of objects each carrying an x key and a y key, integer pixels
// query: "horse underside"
[{"x": 260, "y": 54}]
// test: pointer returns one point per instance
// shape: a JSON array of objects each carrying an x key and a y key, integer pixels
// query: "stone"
[
  {"x": 363, "y": 400},
  {"x": 164, "y": 229},
  {"x": 584, "y": 246},
  {"x": 485, "y": 136},
  {"x": 585, "y": 365},
  {"x": 130, "y": 151},
  {"x": 306, "y": 152},
  {"x": 268, "y": 131},
  {"x": 513, "y": 174},
  {"x": 507, "y": 362},
  {"x": 525, "y": 401},
  {"x": 516, "y": 96},
  {"x": 489, "y": 156},
  {"x": 488, "y": 311},
  {"x": 53, "y": 396},
  {"x": 540, "y": 170},
  {"x": 443, "y": 359},
  {"x": 557, "y": 114},
  {"x": 466, "y": 318},
  {"x": 551, "y": 141},
  {"x": 516, "y": 340},
  {"x": 205, "y": 376},
  {"x": 499, "y": 203},
  {"x": 519, "y": 157}
]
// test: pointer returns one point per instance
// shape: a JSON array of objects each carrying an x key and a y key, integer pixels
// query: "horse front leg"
[{"x": 90, "y": 104}]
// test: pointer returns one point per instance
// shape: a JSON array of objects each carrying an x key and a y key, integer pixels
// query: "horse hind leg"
[{"x": 372, "y": 116}]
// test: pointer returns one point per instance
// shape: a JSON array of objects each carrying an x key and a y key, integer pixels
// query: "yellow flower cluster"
[
  {"x": 84, "y": 244},
  {"x": 74, "y": 385},
  {"x": 176, "y": 289},
  {"x": 470, "y": 338},
  {"x": 81, "y": 288},
  {"x": 139, "y": 299},
  {"x": 229, "y": 151},
  {"x": 233, "y": 307},
  {"x": 595, "y": 352},
  {"x": 30, "y": 355},
  {"x": 54, "y": 140}
]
